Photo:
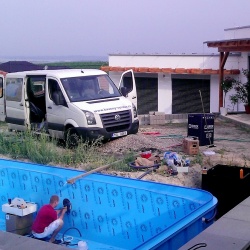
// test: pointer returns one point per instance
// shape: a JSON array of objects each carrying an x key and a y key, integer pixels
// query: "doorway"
[
  {"x": 186, "y": 96},
  {"x": 147, "y": 93}
]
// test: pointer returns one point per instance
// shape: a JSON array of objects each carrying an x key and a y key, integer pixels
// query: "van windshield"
[{"x": 85, "y": 88}]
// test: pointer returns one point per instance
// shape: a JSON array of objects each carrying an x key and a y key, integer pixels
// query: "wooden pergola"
[{"x": 224, "y": 48}]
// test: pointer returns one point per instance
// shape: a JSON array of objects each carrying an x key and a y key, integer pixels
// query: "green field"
[{"x": 78, "y": 65}]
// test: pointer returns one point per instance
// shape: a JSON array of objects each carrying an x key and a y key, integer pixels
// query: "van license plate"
[{"x": 119, "y": 134}]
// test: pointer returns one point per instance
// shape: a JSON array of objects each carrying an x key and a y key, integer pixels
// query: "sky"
[{"x": 64, "y": 28}]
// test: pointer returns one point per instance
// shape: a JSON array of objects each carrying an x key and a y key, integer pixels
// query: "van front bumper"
[{"x": 94, "y": 133}]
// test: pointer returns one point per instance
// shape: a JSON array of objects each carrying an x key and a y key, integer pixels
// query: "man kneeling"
[{"x": 49, "y": 221}]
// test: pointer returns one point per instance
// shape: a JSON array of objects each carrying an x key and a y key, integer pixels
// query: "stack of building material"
[{"x": 156, "y": 118}]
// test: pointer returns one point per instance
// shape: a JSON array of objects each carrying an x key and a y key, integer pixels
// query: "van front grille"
[{"x": 116, "y": 121}]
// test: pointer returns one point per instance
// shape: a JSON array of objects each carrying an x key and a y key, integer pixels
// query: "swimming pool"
[{"x": 110, "y": 212}]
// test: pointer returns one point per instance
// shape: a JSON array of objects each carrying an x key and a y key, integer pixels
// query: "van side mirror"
[{"x": 124, "y": 91}]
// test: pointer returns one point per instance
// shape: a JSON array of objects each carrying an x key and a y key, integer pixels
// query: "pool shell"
[{"x": 110, "y": 212}]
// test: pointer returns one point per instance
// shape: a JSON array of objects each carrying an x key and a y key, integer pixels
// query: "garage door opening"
[
  {"x": 147, "y": 94},
  {"x": 186, "y": 96}
]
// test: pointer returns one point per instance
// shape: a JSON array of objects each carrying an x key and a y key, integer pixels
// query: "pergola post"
[
  {"x": 225, "y": 47},
  {"x": 223, "y": 59}
]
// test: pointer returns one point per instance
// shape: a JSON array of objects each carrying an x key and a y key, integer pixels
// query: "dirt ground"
[{"x": 231, "y": 143}]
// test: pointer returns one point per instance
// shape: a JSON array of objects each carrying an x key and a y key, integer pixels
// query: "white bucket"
[
  {"x": 223, "y": 111},
  {"x": 82, "y": 245}
]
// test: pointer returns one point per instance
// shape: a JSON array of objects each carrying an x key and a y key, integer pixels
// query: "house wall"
[
  {"x": 165, "y": 61},
  {"x": 214, "y": 93},
  {"x": 234, "y": 61},
  {"x": 242, "y": 64},
  {"x": 164, "y": 93},
  {"x": 237, "y": 32}
]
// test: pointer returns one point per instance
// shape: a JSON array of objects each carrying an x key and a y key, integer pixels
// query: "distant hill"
[
  {"x": 50, "y": 59},
  {"x": 77, "y": 65},
  {"x": 17, "y": 66}
]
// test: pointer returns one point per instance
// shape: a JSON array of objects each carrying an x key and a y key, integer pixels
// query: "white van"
[{"x": 69, "y": 104}]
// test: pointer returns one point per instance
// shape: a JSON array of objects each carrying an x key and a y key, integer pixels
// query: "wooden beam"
[
  {"x": 240, "y": 45},
  {"x": 237, "y": 48},
  {"x": 223, "y": 59}
]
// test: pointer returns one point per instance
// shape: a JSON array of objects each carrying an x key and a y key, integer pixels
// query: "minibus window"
[{"x": 14, "y": 89}]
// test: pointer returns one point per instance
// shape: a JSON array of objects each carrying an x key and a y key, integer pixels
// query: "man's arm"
[{"x": 61, "y": 212}]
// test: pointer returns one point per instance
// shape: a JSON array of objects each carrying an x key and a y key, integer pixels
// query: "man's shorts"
[{"x": 49, "y": 229}]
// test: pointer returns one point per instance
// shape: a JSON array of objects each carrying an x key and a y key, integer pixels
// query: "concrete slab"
[
  {"x": 246, "y": 202},
  {"x": 215, "y": 242},
  {"x": 239, "y": 119},
  {"x": 240, "y": 212},
  {"x": 243, "y": 118},
  {"x": 10, "y": 241},
  {"x": 231, "y": 228},
  {"x": 231, "y": 231}
]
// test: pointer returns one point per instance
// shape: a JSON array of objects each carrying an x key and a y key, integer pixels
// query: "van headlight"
[
  {"x": 134, "y": 111},
  {"x": 90, "y": 117}
]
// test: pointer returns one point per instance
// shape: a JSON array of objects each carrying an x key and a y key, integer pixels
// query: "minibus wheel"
[{"x": 72, "y": 138}]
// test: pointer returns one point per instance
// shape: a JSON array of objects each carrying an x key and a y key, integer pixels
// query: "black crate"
[
  {"x": 225, "y": 184},
  {"x": 201, "y": 126}
]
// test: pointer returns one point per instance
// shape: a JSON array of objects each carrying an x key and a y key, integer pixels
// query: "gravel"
[
  {"x": 158, "y": 139},
  {"x": 231, "y": 148}
]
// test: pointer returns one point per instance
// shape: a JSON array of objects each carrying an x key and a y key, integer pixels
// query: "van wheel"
[{"x": 72, "y": 138}]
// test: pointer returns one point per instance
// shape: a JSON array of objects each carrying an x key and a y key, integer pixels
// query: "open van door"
[
  {"x": 127, "y": 86},
  {"x": 15, "y": 112},
  {"x": 2, "y": 101}
]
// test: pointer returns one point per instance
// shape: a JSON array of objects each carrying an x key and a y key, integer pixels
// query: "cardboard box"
[
  {"x": 19, "y": 224},
  {"x": 191, "y": 145},
  {"x": 10, "y": 209}
]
